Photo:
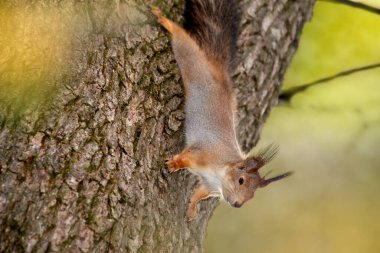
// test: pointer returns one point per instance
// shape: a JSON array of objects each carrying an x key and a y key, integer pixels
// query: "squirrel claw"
[
  {"x": 161, "y": 19},
  {"x": 171, "y": 165},
  {"x": 155, "y": 10}
]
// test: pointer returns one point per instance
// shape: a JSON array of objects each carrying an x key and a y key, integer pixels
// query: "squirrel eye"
[
  {"x": 241, "y": 181},
  {"x": 241, "y": 168}
]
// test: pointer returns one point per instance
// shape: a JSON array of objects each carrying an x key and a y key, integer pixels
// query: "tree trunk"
[{"x": 86, "y": 127}]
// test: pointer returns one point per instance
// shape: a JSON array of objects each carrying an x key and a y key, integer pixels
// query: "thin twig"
[
  {"x": 355, "y": 5},
  {"x": 285, "y": 96}
]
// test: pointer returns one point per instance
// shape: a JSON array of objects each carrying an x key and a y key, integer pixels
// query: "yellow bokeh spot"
[{"x": 34, "y": 49}]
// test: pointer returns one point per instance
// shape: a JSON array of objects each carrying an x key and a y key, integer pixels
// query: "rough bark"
[{"x": 83, "y": 169}]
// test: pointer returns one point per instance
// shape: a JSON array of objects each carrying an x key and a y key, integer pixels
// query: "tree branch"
[
  {"x": 355, "y": 5},
  {"x": 287, "y": 95}
]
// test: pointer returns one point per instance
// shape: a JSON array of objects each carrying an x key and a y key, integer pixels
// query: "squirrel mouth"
[{"x": 234, "y": 204}]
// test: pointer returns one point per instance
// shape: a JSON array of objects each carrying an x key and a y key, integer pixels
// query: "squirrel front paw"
[{"x": 172, "y": 164}]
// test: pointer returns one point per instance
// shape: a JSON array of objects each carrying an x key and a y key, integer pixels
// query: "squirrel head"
[{"x": 242, "y": 178}]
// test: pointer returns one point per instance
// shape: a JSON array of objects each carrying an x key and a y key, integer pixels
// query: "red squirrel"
[{"x": 205, "y": 50}]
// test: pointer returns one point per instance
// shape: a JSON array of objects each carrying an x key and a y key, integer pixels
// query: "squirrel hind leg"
[
  {"x": 167, "y": 23},
  {"x": 199, "y": 194}
]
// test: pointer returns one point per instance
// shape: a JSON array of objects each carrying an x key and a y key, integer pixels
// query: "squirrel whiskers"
[{"x": 205, "y": 52}]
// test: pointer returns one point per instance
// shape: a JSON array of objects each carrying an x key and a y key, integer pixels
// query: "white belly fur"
[{"x": 211, "y": 178}]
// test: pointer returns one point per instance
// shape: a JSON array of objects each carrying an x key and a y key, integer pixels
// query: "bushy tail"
[{"x": 214, "y": 25}]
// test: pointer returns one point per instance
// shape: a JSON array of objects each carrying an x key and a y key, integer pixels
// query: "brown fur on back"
[{"x": 214, "y": 24}]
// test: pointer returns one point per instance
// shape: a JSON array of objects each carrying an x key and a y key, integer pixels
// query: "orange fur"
[
  {"x": 179, "y": 34},
  {"x": 168, "y": 24},
  {"x": 189, "y": 158},
  {"x": 212, "y": 151},
  {"x": 199, "y": 194}
]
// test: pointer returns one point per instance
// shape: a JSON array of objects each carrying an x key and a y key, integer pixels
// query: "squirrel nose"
[{"x": 236, "y": 204}]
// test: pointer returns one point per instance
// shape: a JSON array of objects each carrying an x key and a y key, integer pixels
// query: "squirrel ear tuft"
[
  {"x": 268, "y": 153},
  {"x": 256, "y": 160},
  {"x": 264, "y": 182}
]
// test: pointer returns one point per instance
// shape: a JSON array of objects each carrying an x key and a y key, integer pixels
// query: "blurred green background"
[{"x": 329, "y": 135}]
